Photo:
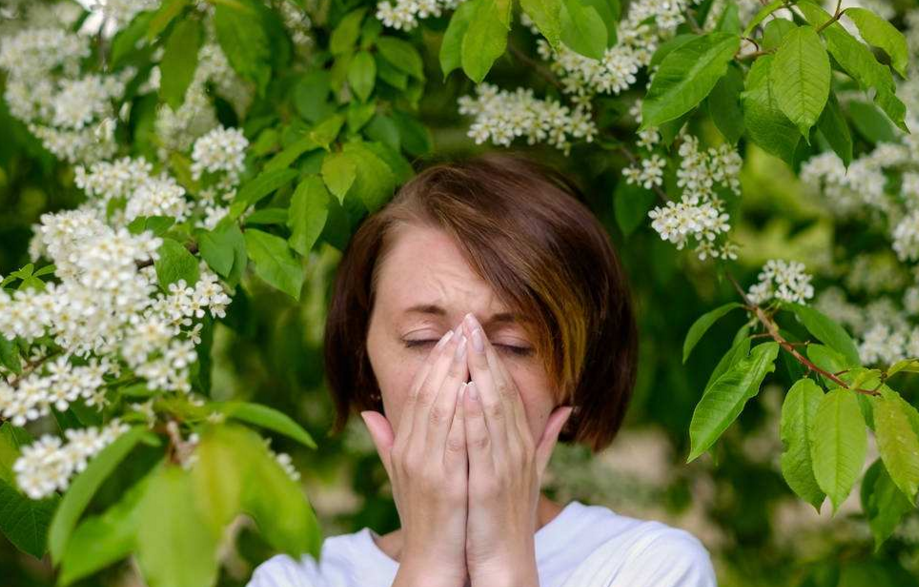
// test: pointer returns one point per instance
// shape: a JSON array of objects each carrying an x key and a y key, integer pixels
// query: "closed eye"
[{"x": 516, "y": 350}]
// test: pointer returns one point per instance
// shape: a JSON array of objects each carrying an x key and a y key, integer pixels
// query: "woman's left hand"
[{"x": 506, "y": 466}]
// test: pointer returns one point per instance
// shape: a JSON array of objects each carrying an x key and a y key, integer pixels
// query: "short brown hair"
[{"x": 523, "y": 228}]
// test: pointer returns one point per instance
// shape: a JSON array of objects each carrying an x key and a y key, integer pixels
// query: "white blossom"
[{"x": 782, "y": 280}]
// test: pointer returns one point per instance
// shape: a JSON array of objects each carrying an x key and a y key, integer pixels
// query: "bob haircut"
[{"x": 524, "y": 230}]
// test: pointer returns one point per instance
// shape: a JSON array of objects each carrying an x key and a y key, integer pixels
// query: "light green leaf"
[
  {"x": 582, "y": 28},
  {"x": 546, "y": 14},
  {"x": 326, "y": 131},
  {"x": 840, "y": 444},
  {"x": 362, "y": 73},
  {"x": 309, "y": 210},
  {"x": 292, "y": 152},
  {"x": 402, "y": 55},
  {"x": 164, "y": 15},
  {"x": 897, "y": 442},
  {"x": 451, "y": 47},
  {"x": 484, "y": 41},
  {"x": 175, "y": 547},
  {"x": 883, "y": 35},
  {"x": 175, "y": 262},
  {"x": 702, "y": 324},
  {"x": 245, "y": 43},
  {"x": 374, "y": 180},
  {"x": 261, "y": 186},
  {"x": 725, "y": 399},
  {"x": 344, "y": 36},
  {"x": 740, "y": 348},
  {"x": 274, "y": 262},
  {"x": 800, "y": 77},
  {"x": 798, "y": 413},
  {"x": 828, "y": 331},
  {"x": 686, "y": 76},
  {"x": 774, "y": 32},
  {"x": 84, "y": 486},
  {"x": 180, "y": 60},
  {"x": 266, "y": 417},
  {"x": 766, "y": 124},
  {"x": 9, "y": 355},
  {"x": 338, "y": 172},
  {"x": 761, "y": 15},
  {"x": 883, "y": 503}
]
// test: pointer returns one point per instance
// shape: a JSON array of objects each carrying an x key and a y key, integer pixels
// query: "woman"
[{"x": 476, "y": 319}]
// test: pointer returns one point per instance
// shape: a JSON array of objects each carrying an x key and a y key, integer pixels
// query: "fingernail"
[
  {"x": 472, "y": 391},
  {"x": 462, "y": 389},
  {"x": 443, "y": 339},
  {"x": 458, "y": 330},
  {"x": 477, "y": 342},
  {"x": 470, "y": 320}
]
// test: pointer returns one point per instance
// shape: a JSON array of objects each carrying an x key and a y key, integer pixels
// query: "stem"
[
  {"x": 773, "y": 330},
  {"x": 538, "y": 67},
  {"x": 836, "y": 16}
]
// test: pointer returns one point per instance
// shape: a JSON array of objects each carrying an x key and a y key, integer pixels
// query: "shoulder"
[
  {"x": 643, "y": 553},
  {"x": 335, "y": 566}
]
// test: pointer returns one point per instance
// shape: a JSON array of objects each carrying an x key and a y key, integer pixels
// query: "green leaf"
[
  {"x": 382, "y": 128},
  {"x": 326, "y": 132},
  {"x": 266, "y": 417},
  {"x": 828, "y": 332},
  {"x": 25, "y": 521},
  {"x": 414, "y": 137},
  {"x": 450, "y": 48},
  {"x": 338, "y": 172},
  {"x": 859, "y": 62},
  {"x": 827, "y": 359},
  {"x": 84, "y": 486},
  {"x": 309, "y": 210},
  {"x": 883, "y": 35},
  {"x": 883, "y": 503},
  {"x": 216, "y": 248},
  {"x": 344, "y": 36},
  {"x": 362, "y": 72},
  {"x": 797, "y": 426},
  {"x": 766, "y": 124},
  {"x": 546, "y": 14},
  {"x": 840, "y": 444},
  {"x": 870, "y": 122},
  {"x": 246, "y": 44},
  {"x": 403, "y": 55},
  {"x": 669, "y": 46},
  {"x": 631, "y": 203},
  {"x": 485, "y": 40},
  {"x": 291, "y": 153},
  {"x": 102, "y": 540},
  {"x": 175, "y": 547},
  {"x": 582, "y": 29},
  {"x": 686, "y": 76},
  {"x": 835, "y": 130},
  {"x": 158, "y": 225},
  {"x": 761, "y": 15},
  {"x": 740, "y": 348},
  {"x": 702, "y": 324},
  {"x": 775, "y": 32},
  {"x": 180, "y": 60},
  {"x": 175, "y": 263},
  {"x": 274, "y": 262},
  {"x": 164, "y": 15},
  {"x": 11, "y": 439},
  {"x": 374, "y": 181},
  {"x": 724, "y": 105},
  {"x": 261, "y": 186},
  {"x": 800, "y": 77},
  {"x": 729, "y": 21},
  {"x": 130, "y": 38},
  {"x": 9, "y": 355},
  {"x": 267, "y": 216},
  {"x": 897, "y": 442},
  {"x": 725, "y": 399}
]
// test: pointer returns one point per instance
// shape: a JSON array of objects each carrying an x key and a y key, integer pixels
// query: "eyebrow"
[{"x": 435, "y": 310}]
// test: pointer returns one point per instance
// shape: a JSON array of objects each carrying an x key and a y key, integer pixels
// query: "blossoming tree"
[{"x": 225, "y": 140}]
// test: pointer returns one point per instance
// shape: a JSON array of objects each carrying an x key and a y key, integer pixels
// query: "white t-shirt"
[{"x": 583, "y": 546}]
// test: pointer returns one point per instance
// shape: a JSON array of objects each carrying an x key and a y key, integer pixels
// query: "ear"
[
  {"x": 554, "y": 425},
  {"x": 382, "y": 435}
]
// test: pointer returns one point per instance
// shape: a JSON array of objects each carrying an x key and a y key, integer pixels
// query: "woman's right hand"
[{"x": 427, "y": 465}]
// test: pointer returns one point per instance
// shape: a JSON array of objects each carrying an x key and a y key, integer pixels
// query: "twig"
[{"x": 538, "y": 67}]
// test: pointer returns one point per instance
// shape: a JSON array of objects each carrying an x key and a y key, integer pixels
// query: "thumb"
[
  {"x": 549, "y": 437},
  {"x": 382, "y": 435}
]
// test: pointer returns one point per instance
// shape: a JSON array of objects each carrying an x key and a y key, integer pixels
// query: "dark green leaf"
[
  {"x": 180, "y": 60},
  {"x": 175, "y": 263},
  {"x": 309, "y": 210},
  {"x": 274, "y": 261},
  {"x": 835, "y": 130},
  {"x": 702, "y": 324}
]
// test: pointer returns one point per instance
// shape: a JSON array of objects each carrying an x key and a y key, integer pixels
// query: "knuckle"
[
  {"x": 495, "y": 410},
  {"x": 505, "y": 390},
  {"x": 438, "y": 414},
  {"x": 481, "y": 442},
  {"x": 425, "y": 396},
  {"x": 456, "y": 444}
]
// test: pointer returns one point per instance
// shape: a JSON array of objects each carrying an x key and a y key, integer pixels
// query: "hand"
[
  {"x": 427, "y": 465},
  {"x": 506, "y": 467}
]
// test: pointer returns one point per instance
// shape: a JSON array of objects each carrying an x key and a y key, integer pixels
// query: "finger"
[
  {"x": 489, "y": 383},
  {"x": 478, "y": 439},
  {"x": 446, "y": 374},
  {"x": 408, "y": 407},
  {"x": 382, "y": 435},
  {"x": 443, "y": 409},
  {"x": 554, "y": 425},
  {"x": 455, "y": 453}
]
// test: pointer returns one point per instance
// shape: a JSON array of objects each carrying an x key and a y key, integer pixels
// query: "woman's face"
[{"x": 424, "y": 289}]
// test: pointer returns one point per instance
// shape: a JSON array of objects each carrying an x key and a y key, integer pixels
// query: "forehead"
[{"x": 425, "y": 274}]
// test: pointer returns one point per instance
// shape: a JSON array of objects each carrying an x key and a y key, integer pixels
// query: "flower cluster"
[
  {"x": 699, "y": 215},
  {"x": 405, "y": 14},
  {"x": 47, "y": 465},
  {"x": 781, "y": 280},
  {"x": 222, "y": 150},
  {"x": 501, "y": 116}
]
